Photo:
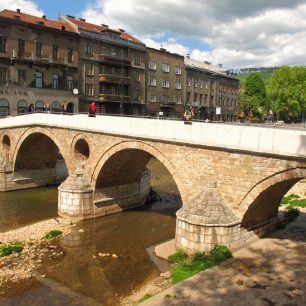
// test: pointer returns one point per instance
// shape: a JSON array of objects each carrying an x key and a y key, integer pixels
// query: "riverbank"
[{"x": 18, "y": 270}]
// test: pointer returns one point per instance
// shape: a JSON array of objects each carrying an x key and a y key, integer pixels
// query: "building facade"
[
  {"x": 165, "y": 83},
  {"x": 111, "y": 68},
  {"x": 212, "y": 91},
  {"x": 38, "y": 64}
]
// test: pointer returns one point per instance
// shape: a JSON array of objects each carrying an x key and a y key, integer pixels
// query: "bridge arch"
[
  {"x": 262, "y": 201},
  {"x": 130, "y": 153},
  {"x": 35, "y": 134}
]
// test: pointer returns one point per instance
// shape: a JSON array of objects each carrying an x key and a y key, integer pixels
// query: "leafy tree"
[{"x": 287, "y": 92}]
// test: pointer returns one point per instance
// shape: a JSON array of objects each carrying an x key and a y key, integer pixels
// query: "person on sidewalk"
[{"x": 92, "y": 109}]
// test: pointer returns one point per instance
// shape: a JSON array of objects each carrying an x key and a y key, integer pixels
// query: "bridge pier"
[
  {"x": 78, "y": 200},
  {"x": 206, "y": 221}
]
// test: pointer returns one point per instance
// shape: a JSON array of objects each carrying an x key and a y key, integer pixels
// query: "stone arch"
[
  {"x": 80, "y": 147},
  {"x": 262, "y": 201},
  {"x": 140, "y": 146},
  {"x": 70, "y": 108},
  {"x": 47, "y": 133}
]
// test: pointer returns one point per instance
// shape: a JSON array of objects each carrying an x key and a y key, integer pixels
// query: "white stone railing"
[{"x": 286, "y": 142}]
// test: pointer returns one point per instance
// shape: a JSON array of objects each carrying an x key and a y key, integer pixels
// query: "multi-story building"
[
  {"x": 211, "y": 90},
  {"x": 111, "y": 68},
  {"x": 38, "y": 63},
  {"x": 165, "y": 83}
]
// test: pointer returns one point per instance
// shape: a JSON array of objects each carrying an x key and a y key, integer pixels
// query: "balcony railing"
[
  {"x": 167, "y": 104},
  {"x": 115, "y": 59},
  {"x": 113, "y": 98},
  {"x": 109, "y": 78}
]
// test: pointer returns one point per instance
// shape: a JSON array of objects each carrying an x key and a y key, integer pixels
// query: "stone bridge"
[{"x": 231, "y": 178}]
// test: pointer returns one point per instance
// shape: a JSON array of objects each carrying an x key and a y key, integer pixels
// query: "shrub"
[
  {"x": 177, "y": 257},
  {"x": 53, "y": 234},
  {"x": 144, "y": 298},
  {"x": 15, "y": 247},
  {"x": 297, "y": 203},
  {"x": 286, "y": 200}
]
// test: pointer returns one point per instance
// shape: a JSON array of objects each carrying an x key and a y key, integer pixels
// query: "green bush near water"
[
  {"x": 198, "y": 262},
  {"x": 15, "y": 247},
  {"x": 52, "y": 234},
  {"x": 286, "y": 200}
]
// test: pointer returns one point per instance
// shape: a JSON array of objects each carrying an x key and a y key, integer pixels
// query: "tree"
[{"x": 287, "y": 92}]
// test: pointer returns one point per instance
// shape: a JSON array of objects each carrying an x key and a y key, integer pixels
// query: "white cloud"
[
  {"x": 256, "y": 33},
  {"x": 26, "y": 6}
]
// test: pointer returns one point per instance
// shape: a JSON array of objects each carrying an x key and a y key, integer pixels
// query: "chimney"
[
  {"x": 43, "y": 16},
  {"x": 121, "y": 30},
  {"x": 188, "y": 55},
  {"x": 18, "y": 11},
  {"x": 163, "y": 49},
  {"x": 82, "y": 19}
]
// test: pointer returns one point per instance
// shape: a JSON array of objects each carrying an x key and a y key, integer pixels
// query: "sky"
[{"x": 235, "y": 33}]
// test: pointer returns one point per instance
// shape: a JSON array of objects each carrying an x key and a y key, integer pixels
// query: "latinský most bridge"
[{"x": 231, "y": 178}]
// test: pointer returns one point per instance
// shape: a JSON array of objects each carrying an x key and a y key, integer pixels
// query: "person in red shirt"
[{"x": 92, "y": 109}]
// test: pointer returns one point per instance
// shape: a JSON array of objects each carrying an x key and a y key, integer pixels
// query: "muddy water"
[{"x": 82, "y": 277}]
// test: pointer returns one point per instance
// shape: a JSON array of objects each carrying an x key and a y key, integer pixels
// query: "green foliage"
[
  {"x": 177, "y": 257},
  {"x": 286, "y": 200},
  {"x": 199, "y": 262},
  {"x": 15, "y": 247},
  {"x": 53, "y": 234},
  {"x": 297, "y": 203},
  {"x": 287, "y": 92},
  {"x": 144, "y": 298}
]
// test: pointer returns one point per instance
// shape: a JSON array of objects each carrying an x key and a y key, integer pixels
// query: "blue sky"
[{"x": 257, "y": 33}]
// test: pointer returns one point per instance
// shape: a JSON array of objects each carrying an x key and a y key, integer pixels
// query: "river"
[{"x": 81, "y": 275}]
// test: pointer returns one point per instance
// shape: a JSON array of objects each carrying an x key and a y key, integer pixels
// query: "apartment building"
[
  {"x": 165, "y": 83},
  {"x": 111, "y": 68},
  {"x": 38, "y": 63},
  {"x": 211, "y": 90}
]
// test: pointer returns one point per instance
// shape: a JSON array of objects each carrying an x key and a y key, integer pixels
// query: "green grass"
[
  {"x": 144, "y": 298},
  {"x": 286, "y": 200},
  {"x": 15, "y": 247},
  {"x": 177, "y": 257},
  {"x": 52, "y": 234},
  {"x": 198, "y": 262}
]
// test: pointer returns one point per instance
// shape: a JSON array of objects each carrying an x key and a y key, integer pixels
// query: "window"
[
  {"x": 22, "y": 107},
  {"x": 89, "y": 89},
  {"x": 189, "y": 82},
  {"x": 70, "y": 55},
  {"x": 2, "y": 44},
  {"x": 21, "y": 77},
  {"x": 178, "y": 99},
  {"x": 152, "y": 65},
  {"x": 69, "y": 82},
  {"x": 165, "y": 98},
  {"x": 165, "y": 67},
  {"x": 152, "y": 97},
  {"x": 136, "y": 76},
  {"x": 178, "y": 70},
  {"x": 89, "y": 69},
  {"x": 196, "y": 82},
  {"x": 4, "y": 108},
  {"x": 21, "y": 47},
  {"x": 39, "y": 106},
  {"x": 54, "y": 80},
  {"x": 178, "y": 85},
  {"x": 38, "y": 49},
  {"x": 3, "y": 75},
  {"x": 55, "y": 52},
  {"x": 137, "y": 60},
  {"x": 55, "y": 107},
  {"x": 152, "y": 81},
  {"x": 38, "y": 79},
  {"x": 165, "y": 84},
  {"x": 88, "y": 49}
]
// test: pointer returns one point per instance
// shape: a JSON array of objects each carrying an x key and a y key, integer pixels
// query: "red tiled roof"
[
  {"x": 35, "y": 20},
  {"x": 100, "y": 28}
]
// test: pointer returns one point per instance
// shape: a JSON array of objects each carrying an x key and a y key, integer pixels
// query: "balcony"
[
  {"x": 116, "y": 79},
  {"x": 115, "y": 60},
  {"x": 42, "y": 60},
  {"x": 114, "y": 98},
  {"x": 167, "y": 104}
]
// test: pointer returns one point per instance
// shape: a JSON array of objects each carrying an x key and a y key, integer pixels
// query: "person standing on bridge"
[
  {"x": 92, "y": 109},
  {"x": 189, "y": 113}
]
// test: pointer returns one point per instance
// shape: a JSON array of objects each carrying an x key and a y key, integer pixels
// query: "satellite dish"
[{"x": 75, "y": 91}]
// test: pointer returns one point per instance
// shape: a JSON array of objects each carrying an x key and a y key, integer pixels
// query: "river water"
[{"x": 78, "y": 278}]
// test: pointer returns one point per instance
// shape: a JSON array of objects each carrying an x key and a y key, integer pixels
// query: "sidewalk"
[{"x": 269, "y": 272}]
